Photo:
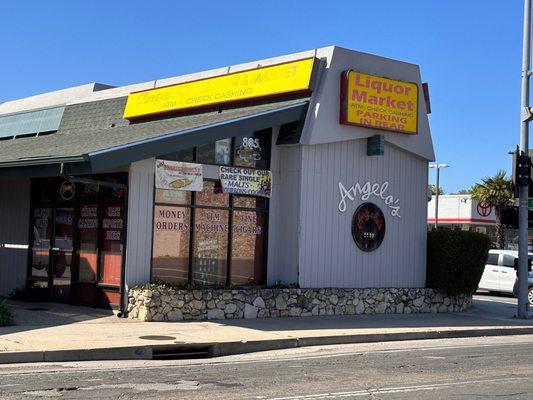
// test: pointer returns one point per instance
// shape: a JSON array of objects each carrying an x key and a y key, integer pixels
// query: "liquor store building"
[{"x": 308, "y": 169}]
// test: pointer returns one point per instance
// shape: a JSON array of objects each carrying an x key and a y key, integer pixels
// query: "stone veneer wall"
[{"x": 167, "y": 304}]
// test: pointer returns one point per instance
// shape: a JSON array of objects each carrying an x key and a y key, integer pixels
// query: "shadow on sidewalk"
[
  {"x": 37, "y": 315},
  {"x": 487, "y": 311}
]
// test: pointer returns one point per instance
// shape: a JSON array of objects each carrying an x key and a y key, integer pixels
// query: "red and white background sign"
[{"x": 461, "y": 209}]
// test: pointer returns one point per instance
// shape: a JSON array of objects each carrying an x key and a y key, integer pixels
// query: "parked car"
[
  {"x": 500, "y": 274},
  {"x": 529, "y": 286}
]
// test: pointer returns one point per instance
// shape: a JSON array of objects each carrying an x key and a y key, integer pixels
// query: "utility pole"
[
  {"x": 438, "y": 167},
  {"x": 523, "y": 305}
]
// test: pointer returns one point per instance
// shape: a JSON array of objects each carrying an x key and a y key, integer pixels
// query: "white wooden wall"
[
  {"x": 284, "y": 212},
  {"x": 328, "y": 255},
  {"x": 14, "y": 228},
  {"x": 140, "y": 215}
]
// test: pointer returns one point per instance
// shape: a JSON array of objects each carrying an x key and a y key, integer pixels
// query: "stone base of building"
[{"x": 155, "y": 303}]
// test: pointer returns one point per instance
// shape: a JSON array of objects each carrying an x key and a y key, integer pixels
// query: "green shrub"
[
  {"x": 455, "y": 260},
  {"x": 5, "y": 315}
]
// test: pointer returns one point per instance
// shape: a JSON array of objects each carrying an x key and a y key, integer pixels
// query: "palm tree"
[
  {"x": 495, "y": 191},
  {"x": 433, "y": 189}
]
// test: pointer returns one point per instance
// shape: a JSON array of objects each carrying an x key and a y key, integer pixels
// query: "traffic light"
[
  {"x": 522, "y": 170},
  {"x": 509, "y": 217}
]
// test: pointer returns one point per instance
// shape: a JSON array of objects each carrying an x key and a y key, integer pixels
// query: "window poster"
[
  {"x": 254, "y": 182},
  {"x": 177, "y": 175}
]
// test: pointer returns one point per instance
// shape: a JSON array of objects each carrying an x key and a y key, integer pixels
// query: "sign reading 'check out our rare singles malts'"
[
  {"x": 377, "y": 102},
  {"x": 253, "y": 182}
]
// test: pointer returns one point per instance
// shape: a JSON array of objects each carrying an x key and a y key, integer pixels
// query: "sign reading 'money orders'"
[
  {"x": 377, "y": 102},
  {"x": 274, "y": 80}
]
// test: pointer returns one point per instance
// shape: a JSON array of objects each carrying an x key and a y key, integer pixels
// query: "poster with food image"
[
  {"x": 177, "y": 175},
  {"x": 253, "y": 182}
]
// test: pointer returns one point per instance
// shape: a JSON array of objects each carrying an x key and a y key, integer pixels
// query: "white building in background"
[{"x": 461, "y": 211}]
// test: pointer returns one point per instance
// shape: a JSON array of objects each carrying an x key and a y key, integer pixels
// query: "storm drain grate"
[
  {"x": 180, "y": 352},
  {"x": 36, "y": 309}
]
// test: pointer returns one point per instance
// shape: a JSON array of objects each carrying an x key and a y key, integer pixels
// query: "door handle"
[
  {"x": 504, "y": 272},
  {"x": 494, "y": 270}
]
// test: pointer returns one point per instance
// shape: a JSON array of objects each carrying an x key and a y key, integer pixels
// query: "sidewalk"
[{"x": 57, "y": 332}]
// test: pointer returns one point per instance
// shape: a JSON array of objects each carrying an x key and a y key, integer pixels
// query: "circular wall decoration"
[{"x": 368, "y": 227}]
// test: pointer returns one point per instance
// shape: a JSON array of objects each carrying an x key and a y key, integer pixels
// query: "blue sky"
[{"x": 468, "y": 51}]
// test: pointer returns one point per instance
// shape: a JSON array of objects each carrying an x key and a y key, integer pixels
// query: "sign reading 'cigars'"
[
  {"x": 271, "y": 81},
  {"x": 376, "y": 102}
]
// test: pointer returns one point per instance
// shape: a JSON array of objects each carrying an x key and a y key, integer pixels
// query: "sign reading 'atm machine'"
[{"x": 376, "y": 102}]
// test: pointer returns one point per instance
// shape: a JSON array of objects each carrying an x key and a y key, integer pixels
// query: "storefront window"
[
  {"x": 172, "y": 197},
  {"x": 215, "y": 153},
  {"x": 252, "y": 150},
  {"x": 171, "y": 244},
  {"x": 210, "y": 248},
  {"x": 248, "y": 237},
  {"x": 41, "y": 231},
  {"x": 88, "y": 243},
  {"x": 113, "y": 231},
  {"x": 62, "y": 252},
  {"x": 193, "y": 230},
  {"x": 212, "y": 195},
  {"x": 180, "y": 155},
  {"x": 78, "y": 228},
  {"x": 250, "y": 202},
  {"x": 67, "y": 191},
  {"x": 43, "y": 190}
]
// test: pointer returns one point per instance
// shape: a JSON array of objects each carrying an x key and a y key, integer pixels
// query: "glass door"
[
  {"x": 85, "y": 269},
  {"x": 41, "y": 233},
  {"x": 111, "y": 253},
  {"x": 62, "y": 252}
]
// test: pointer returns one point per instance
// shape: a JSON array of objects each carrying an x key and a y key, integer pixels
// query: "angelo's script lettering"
[{"x": 366, "y": 190}]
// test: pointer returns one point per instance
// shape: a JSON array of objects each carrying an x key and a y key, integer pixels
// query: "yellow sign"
[
  {"x": 291, "y": 77},
  {"x": 377, "y": 102}
]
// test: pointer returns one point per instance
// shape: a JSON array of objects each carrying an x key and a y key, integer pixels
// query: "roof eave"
[{"x": 139, "y": 150}]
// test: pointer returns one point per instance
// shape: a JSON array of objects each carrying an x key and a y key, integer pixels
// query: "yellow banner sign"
[
  {"x": 276, "y": 80},
  {"x": 376, "y": 102}
]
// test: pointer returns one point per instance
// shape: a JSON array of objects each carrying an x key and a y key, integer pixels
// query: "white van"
[{"x": 499, "y": 274}]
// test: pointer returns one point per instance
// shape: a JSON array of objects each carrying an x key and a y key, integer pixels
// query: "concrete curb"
[
  {"x": 115, "y": 353},
  {"x": 217, "y": 349}
]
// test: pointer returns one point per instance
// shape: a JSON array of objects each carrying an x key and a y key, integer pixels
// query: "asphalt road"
[{"x": 485, "y": 368}]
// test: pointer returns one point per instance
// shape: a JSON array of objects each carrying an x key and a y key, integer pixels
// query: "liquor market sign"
[
  {"x": 176, "y": 175},
  {"x": 254, "y": 182},
  {"x": 376, "y": 102},
  {"x": 274, "y": 80}
]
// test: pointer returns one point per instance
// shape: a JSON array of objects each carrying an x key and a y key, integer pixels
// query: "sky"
[{"x": 468, "y": 51}]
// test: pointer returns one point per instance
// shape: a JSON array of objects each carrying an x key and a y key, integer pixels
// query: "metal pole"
[
  {"x": 523, "y": 306},
  {"x": 437, "y": 199}
]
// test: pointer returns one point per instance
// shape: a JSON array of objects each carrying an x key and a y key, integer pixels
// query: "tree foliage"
[
  {"x": 495, "y": 191},
  {"x": 433, "y": 189}
]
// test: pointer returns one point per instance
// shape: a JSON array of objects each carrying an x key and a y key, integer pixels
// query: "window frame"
[{"x": 229, "y": 207}]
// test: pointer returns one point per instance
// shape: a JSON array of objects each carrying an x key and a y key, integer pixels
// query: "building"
[
  {"x": 306, "y": 169},
  {"x": 462, "y": 212}
]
